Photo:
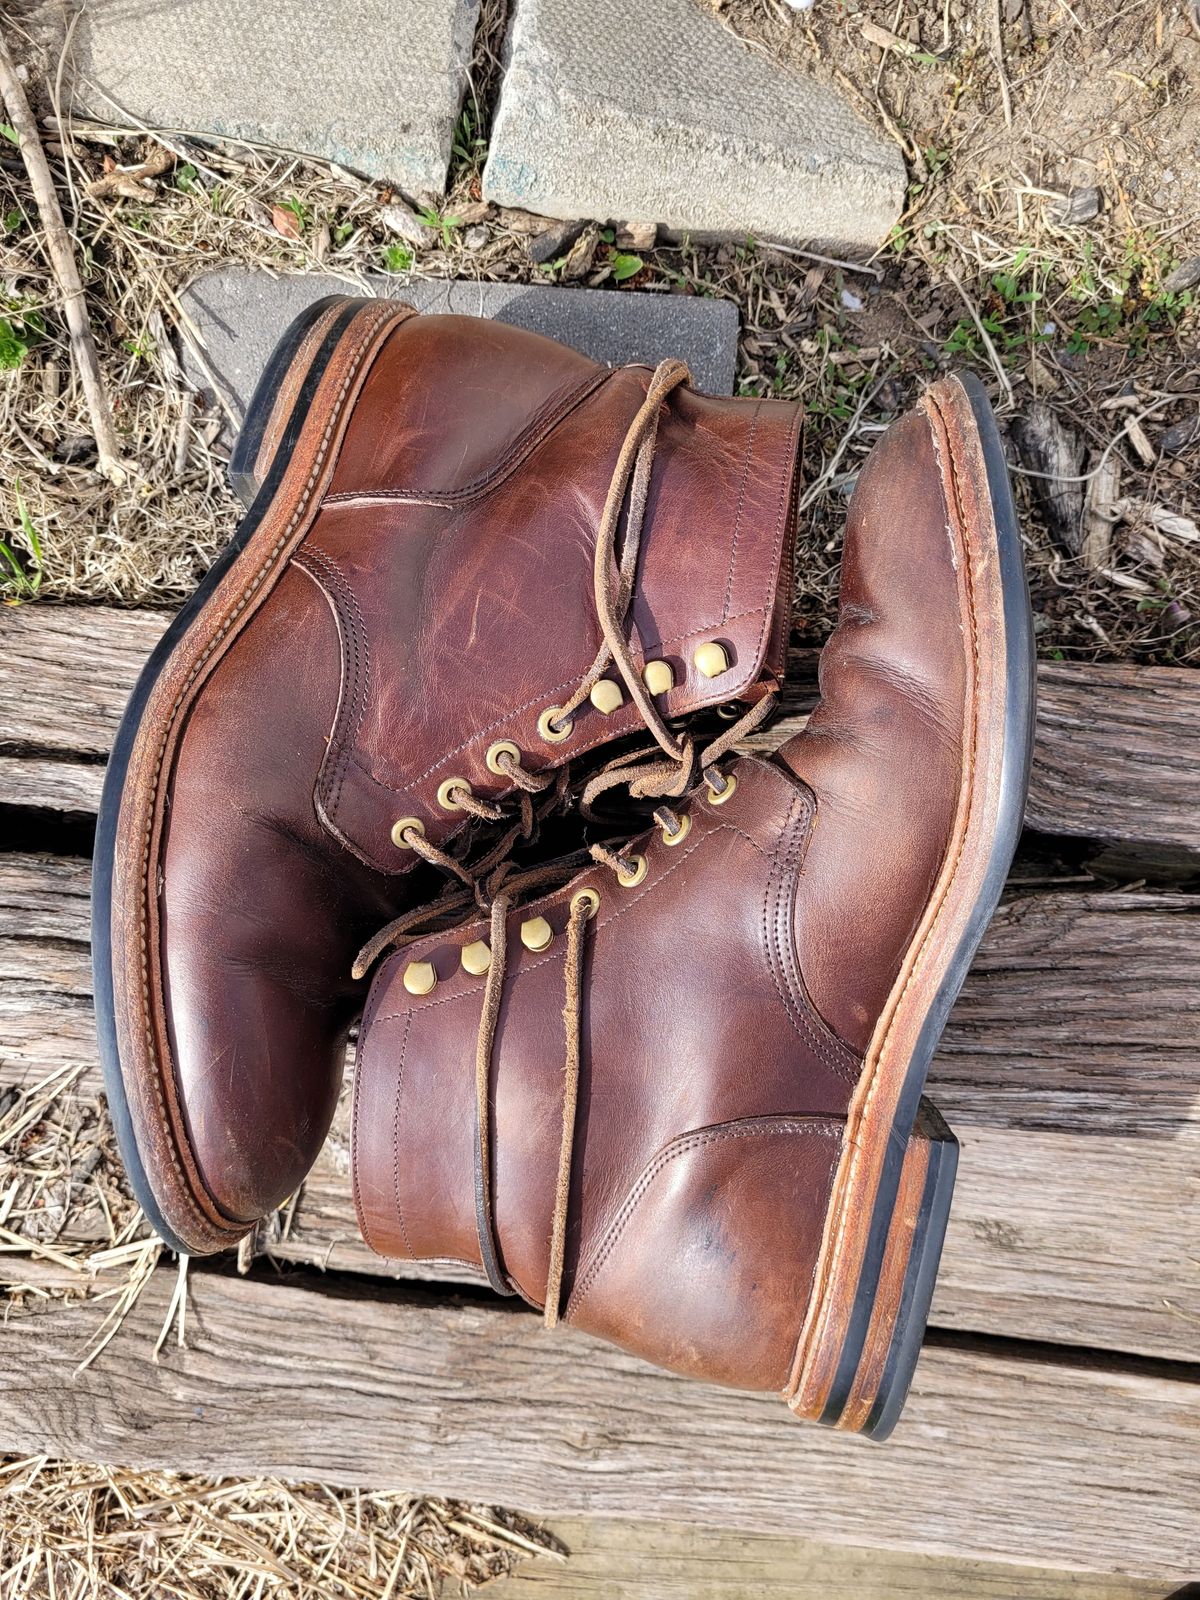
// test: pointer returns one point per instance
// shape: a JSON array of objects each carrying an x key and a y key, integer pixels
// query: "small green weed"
[
  {"x": 397, "y": 258},
  {"x": 444, "y": 224},
  {"x": 1128, "y": 302},
  {"x": 20, "y": 331},
  {"x": 21, "y": 579},
  {"x": 1008, "y": 313},
  {"x": 469, "y": 145}
]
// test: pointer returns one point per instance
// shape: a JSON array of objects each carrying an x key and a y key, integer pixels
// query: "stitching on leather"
[
  {"x": 634, "y": 899},
  {"x": 375, "y": 320},
  {"x": 353, "y": 628},
  {"x": 396, "y": 1140},
  {"x": 741, "y": 503},
  {"x": 950, "y": 480},
  {"x": 836, "y": 1054},
  {"x": 535, "y": 433},
  {"x": 823, "y": 1126},
  {"x": 784, "y": 865},
  {"x": 764, "y": 613},
  {"x": 768, "y": 613},
  {"x": 355, "y": 1114},
  {"x": 544, "y": 695}
]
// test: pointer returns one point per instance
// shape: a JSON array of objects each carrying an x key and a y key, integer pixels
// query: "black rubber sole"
[
  {"x": 1014, "y": 783},
  {"x": 925, "y": 1257},
  {"x": 118, "y": 761}
]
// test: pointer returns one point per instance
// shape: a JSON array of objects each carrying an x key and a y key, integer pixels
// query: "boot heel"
[
  {"x": 880, "y": 1335},
  {"x": 301, "y": 353}
]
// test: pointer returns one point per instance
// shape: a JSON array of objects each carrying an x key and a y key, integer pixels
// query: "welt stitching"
[
  {"x": 949, "y": 475},
  {"x": 741, "y": 503},
  {"x": 824, "y": 1126},
  {"x": 534, "y": 433},
  {"x": 374, "y": 320}
]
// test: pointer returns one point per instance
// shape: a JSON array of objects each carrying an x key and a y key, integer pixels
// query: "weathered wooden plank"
[
  {"x": 1117, "y": 755},
  {"x": 611, "y": 1560},
  {"x": 51, "y": 783},
  {"x": 67, "y": 671},
  {"x": 997, "y": 1458},
  {"x": 1070, "y": 1072}
]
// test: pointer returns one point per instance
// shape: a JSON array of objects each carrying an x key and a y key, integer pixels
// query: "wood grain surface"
[
  {"x": 1117, "y": 754},
  {"x": 611, "y": 1560},
  {"x": 997, "y": 1457},
  {"x": 1070, "y": 1072}
]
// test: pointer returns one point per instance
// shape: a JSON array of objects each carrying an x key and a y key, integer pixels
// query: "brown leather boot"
[
  {"x": 475, "y": 558},
  {"x": 730, "y": 1177}
]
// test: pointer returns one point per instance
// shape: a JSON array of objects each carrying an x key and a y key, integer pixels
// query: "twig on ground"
[
  {"x": 827, "y": 261},
  {"x": 66, "y": 272},
  {"x": 1001, "y": 71}
]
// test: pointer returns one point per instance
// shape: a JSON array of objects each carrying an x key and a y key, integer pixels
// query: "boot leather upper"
[
  {"x": 441, "y": 600},
  {"x": 727, "y": 999}
]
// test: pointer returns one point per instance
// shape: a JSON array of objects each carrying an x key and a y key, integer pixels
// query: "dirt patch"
[{"x": 1050, "y": 242}]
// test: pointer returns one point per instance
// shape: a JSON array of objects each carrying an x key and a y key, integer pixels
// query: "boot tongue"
[{"x": 470, "y": 611}]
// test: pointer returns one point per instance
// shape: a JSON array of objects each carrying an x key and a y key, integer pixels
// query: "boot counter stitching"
[{"x": 825, "y": 1127}]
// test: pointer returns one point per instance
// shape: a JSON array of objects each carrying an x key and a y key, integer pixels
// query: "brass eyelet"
[
  {"x": 659, "y": 677},
  {"x": 536, "y": 933},
  {"x": 588, "y": 897},
  {"x": 606, "y": 696},
  {"x": 406, "y": 825},
  {"x": 630, "y": 880},
  {"x": 476, "y": 957},
  {"x": 420, "y": 977},
  {"x": 447, "y": 790},
  {"x": 552, "y": 734},
  {"x": 502, "y": 747},
  {"x": 681, "y": 832},
  {"x": 710, "y": 659},
  {"x": 718, "y": 797}
]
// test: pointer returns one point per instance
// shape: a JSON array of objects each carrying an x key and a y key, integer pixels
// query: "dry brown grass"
[
  {"x": 1079, "y": 323},
  {"x": 979, "y": 238},
  {"x": 70, "y": 1532}
]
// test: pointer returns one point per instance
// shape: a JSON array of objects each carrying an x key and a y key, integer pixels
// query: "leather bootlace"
[
  {"x": 670, "y": 768},
  {"x": 502, "y": 892},
  {"x": 630, "y": 480}
]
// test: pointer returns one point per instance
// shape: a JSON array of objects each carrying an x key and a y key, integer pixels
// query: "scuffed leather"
[
  {"x": 680, "y": 973},
  {"x": 441, "y": 598},
  {"x": 883, "y": 751},
  {"x": 728, "y": 1000},
  {"x": 489, "y": 617}
]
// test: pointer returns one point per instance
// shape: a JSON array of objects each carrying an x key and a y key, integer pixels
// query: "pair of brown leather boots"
[{"x": 492, "y": 601}]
